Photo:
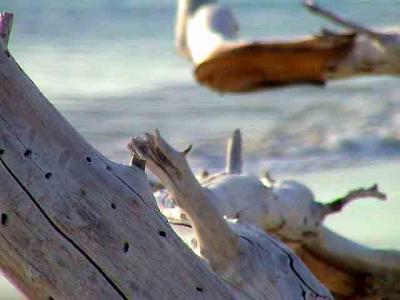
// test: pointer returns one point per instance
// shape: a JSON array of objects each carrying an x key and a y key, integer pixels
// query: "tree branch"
[
  {"x": 170, "y": 166},
  {"x": 338, "y": 204},
  {"x": 315, "y": 8}
]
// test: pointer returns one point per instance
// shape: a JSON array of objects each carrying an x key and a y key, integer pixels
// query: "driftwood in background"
[
  {"x": 374, "y": 52},
  {"x": 288, "y": 210},
  {"x": 207, "y": 34},
  {"x": 75, "y": 225},
  {"x": 245, "y": 67}
]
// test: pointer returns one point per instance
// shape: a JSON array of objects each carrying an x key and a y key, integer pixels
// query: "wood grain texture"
[
  {"x": 254, "y": 264},
  {"x": 244, "y": 67},
  {"x": 288, "y": 211},
  {"x": 76, "y": 225}
]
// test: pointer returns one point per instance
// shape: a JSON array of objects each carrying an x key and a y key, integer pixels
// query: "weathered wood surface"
[
  {"x": 75, "y": 225},
  {"x": 250, "y": 66},
  {"x": 289, "y": 211},
  {"x": 255, "y": 264},
  {"x": 208, "y": 35}
]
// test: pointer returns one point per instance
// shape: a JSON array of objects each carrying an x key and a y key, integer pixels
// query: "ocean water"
[{"x": 111, "y": 68}]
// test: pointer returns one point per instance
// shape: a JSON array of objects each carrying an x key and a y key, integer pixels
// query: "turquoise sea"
[{"x": 110, "y": 67}]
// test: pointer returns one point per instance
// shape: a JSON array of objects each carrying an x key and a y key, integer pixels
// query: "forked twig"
[
  {"x": 315, "y": 8},
  {"x": 338, "y": 204}
]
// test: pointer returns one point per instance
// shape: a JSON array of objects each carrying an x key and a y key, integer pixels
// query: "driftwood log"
[
  {"x": 75, "y": 225},
  {"x": 207, "y": 34},
  {"x": 254, "y": 264},
  {"x": 288, "y": 211}
]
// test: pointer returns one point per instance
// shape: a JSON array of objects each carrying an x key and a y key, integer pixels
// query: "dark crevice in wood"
[
  {"x": 199, "y": 289},
  {"x": 163, "y": 160},
  {"x": 247, "y": 239},
  {"x": 27, "y": 153},
  {"x": 59, "y": 231},
  {"x": 162, "y": 233},
  {"x": 172, "y": 222},
  {"x": 291, "y": 264},
  {"x": 4, "y": 219},
  {"x": 309, "y": 234},
  {"x": 113, "y": 206},
  {"x": 126, "y": 247},
  {"x": 88, "y": 159},
  {"x": 8, "y": 127},
  {"x": 48, "y": 175},
  {"x": 140, "y": 163},
  {"x": 303, "y": 293}
]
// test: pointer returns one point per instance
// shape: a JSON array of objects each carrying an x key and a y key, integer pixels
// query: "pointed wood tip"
[
  {"x": 6, "y": 20},
  {"x": 234, "y": 153}
]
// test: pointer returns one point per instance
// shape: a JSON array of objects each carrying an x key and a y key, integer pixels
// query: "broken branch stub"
[
  {"x": 6, "y": 21},
  {"x": 362, "y": 193},
  {"x": 234, "y": 151}
]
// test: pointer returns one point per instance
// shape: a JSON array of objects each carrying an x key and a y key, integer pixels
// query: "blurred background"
[{"x": 110, "y": 67}]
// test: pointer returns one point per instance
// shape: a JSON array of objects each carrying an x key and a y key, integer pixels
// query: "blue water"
[{"x": 111, "y": 68}]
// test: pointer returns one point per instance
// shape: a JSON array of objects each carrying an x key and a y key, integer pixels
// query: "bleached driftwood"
[
  {"x": 288, "y": 210},
  {"x": 75, "y": 225},
  {"x": 374, "y": 52},
  {"x": 207, "y": 33},
  {"x": 256, "y": 265}
]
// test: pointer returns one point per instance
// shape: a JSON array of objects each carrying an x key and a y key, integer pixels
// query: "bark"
[
  {"x": 75, "y": 225},
  {"x": 289, "y": 211}
]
